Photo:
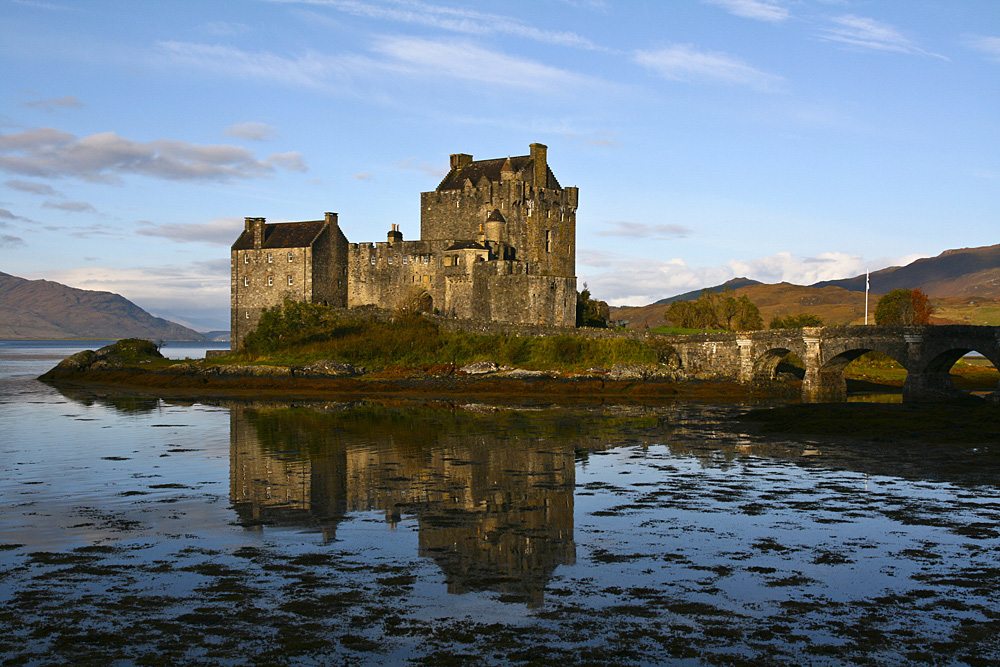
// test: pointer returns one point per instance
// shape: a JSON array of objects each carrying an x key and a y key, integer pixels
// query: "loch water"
[{"x": 136, "y": 530}]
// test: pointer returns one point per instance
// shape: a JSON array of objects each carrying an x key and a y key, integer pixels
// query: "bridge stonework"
[{"x": 926, "y": 352}]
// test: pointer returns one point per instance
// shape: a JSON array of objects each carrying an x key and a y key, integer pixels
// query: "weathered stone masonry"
[{"x": 498, "y": 243}]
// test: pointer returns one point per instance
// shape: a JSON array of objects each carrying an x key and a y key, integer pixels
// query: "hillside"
[
  {"x": 40, "y": 309},
  {"x": 965, "y": 272},
  {"x": 834, "y": 305}
]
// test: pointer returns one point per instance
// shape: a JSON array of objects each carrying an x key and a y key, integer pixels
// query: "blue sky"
[{"x": 795, "y": 140}]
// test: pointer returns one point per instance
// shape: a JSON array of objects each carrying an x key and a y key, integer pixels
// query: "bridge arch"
[
  {"x": 932, "y": 378},
  {"x": 765, "y": 366}
]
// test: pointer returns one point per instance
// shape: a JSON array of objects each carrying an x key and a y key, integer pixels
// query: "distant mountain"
[
  {"x": 40, "y": 309},
  {"x": 219, "y": 336},
  {"x": 729, "y": 284},
  {"x": 966, "y": 272}
]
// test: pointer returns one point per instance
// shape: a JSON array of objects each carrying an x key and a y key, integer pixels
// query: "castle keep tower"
[{"x": 497, "y": 243}]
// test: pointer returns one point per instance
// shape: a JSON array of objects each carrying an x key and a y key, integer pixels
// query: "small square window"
[
  {"x": 390, "y": 259},
  {"x": 270, "y": 280},
  {"x": 373, "y": 260},
  {"x": 248, "y": 314},
  {"x": 290, "y": 257},
  {"x": 290, "y": 281},
  {"x": 270, "y": 258},
  {"x": 246, "y": 258},
  {"x": 404, "y": 259},
  {"x": 246, "y": 281}
]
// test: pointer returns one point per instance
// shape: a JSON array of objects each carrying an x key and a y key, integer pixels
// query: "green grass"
[{"x": 299, "y": 334}]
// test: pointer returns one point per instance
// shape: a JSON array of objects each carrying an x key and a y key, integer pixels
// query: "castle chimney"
[
  {"x": 331, "y": 218},
  {"x": 395, "y": 236},
  {"x": 256, "y": 227},
  {"x": 538, "y": 158},
  {"x": 459, "y": 160}
]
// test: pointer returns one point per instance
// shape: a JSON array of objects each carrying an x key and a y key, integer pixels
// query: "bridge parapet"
[{"x": 926, "y": 352}]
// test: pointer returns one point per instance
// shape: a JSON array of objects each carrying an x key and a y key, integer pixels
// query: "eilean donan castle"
[{"x": 497, "y": 243}]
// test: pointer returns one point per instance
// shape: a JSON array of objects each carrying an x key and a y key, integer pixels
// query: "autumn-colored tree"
[
  {"x": 903, "y": 306},
  {"x": 715, "y": 310}
]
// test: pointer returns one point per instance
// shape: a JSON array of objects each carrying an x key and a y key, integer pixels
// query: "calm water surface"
[{"x": 141, "y": 531}]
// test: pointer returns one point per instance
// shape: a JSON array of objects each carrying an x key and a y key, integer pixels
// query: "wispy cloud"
[
  {"x": 464, "y": 60},
  {"x": 435, "y": 171},
  {"x": 33, "y": 188},
  {"x": 604, "y": 139},
  {"x": 866, "y": 33},
  {"x": 454, "y": 19},
  {"x": 6, "y": 214},
  {"x": 224, "y": 28},
  {"x": 70, "y": 206},
  {"x": 251, "y": 130},
  {"x": 221, "y": 231},
  {"x": 761, "y": 10},
  {"x": 105, "y": 157},
  {"x": 9, "y": 241},
  {"x": 364, "y": 176},
  {"x": 681, "y": 62},
  {"x": 987, "y": 45},
  {"x": 641, "y": 230},
  {"x": 68, "y": 102}
]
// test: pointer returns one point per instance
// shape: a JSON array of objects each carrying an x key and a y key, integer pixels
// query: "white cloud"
[
  {"x": 71, "y": 206},
  {"x": 464, "y": 60},
  {"x": 866, "y": 33},
  {"x": 68, "y": 102},
  {"x": 364, "y": 176},
  {"x": 602, "y": 139},
  {"x": 761, "y": 10},
  {"x": 986, "y": 45},
  {"x": 33, "y": 188},
  {"x": 292, "y": 161},
  {"x": 429, "y": 169},
  {"x": 406, "y": 58},
  {"x": 155, "y": 288},
  {"x": 251, "y": 130},
  {"x": 454, "y": 19},
  {"x": 221, "y": 231},
  {"x": 104, "y": 157},
  {"x": 641, "y": 230},
  {"x": 621, "y": 280},
  {"x": 682, "y": 62}
]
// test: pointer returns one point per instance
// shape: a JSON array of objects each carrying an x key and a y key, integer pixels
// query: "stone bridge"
[{"x": 926, "y": 352}]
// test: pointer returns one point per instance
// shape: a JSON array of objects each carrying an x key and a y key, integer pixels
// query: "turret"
[
  {"x": 538, "y": 158},
  {"x": 495, "y": 226}
]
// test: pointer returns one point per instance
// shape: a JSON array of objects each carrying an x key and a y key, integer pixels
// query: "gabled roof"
[
  {"x": 465, "y": 245},
  {"x": 283, "y": 235},
  {"x": 491, "y": 169}
]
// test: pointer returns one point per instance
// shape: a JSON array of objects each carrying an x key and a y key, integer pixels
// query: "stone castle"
[{"x": 497, "y": 243}]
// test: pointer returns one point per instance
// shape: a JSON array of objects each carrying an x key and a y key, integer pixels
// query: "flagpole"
[{"x": 866, "y": 297}]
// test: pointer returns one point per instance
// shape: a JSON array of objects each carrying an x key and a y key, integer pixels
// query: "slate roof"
[
  {"x": 283, "y": 235},
  {"x": 496, "y": 216},
  {"x": 465, "y": 245},
  {"x": 455, "y": 180}
]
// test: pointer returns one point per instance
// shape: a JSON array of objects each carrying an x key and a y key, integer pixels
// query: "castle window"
[
  {"x": 246, "y": 258},
  {"x": 405, "y": 258},
  {"x": 248, "y": 314},
  {"x": 270, "y": 258},
  {"x": 548, "y": 240},
  {"x": 270, "y": 280},
  {"x": 390, "y": 259},
  {"x": 290, "y": 257},
  {"x": 373, "y": 260},
  {"x": 427, "y": 259},
  {"x": 246, "y": 281},
  {"x": 290, "y": 281}
]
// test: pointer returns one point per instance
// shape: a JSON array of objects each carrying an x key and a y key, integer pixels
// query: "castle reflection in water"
[{"x": 492, "y": 495}]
